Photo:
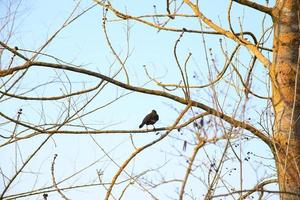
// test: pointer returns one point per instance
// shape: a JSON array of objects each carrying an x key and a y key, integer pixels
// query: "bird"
[{"x": 150, "y": 119}]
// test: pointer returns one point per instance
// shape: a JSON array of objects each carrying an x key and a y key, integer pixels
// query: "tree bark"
[{"x": 285, "y": 75}]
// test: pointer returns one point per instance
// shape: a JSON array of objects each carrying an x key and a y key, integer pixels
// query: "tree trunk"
[{"x": 285, "y": 84}]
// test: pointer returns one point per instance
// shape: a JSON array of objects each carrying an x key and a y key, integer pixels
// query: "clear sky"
[{"x": 83, "y": 44}]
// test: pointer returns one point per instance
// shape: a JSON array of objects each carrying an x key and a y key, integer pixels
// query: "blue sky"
[{"x": 82, "y": 43}]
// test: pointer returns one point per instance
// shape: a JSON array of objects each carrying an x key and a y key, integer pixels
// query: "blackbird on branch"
[{"x": 150, "y": 119}]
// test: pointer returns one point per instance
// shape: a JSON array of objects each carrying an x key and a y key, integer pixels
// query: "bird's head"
[{"x": 154, "y": 111}]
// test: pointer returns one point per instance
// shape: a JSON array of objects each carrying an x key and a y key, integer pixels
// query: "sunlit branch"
[
  {"x": 255, "y": 6},
  {"x": 154, "y": 92},
  {"x": 230, "y": 35}
]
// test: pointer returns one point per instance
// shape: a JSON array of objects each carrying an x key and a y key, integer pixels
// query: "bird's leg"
[{"x": 153, "y": 127}]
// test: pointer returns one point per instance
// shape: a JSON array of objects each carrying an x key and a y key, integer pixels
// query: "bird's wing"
[{"x": 147, "y": 118}]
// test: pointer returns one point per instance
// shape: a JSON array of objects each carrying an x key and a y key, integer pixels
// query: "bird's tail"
[{"x": 141, "y": 125}]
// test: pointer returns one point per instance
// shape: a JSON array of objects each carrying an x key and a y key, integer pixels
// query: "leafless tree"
[{"x": 228, "y": 126}]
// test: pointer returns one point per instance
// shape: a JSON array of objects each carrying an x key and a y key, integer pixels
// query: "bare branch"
[
  {"x": 255, "y": 6},
  {"x": 54, "y": 181},
  {"x": 266, "y": 62}
]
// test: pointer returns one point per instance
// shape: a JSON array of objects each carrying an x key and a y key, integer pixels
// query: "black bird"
[{"x": 151, "y": 118}]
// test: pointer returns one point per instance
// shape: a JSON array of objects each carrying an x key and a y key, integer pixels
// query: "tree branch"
[
  {"x": 255, "y": 6},
  {"x": 253, "y": 48},
  {"x": 210, "y": 110}
]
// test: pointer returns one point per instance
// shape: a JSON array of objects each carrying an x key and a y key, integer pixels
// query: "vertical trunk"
[{"x": 286, "y": 96}]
